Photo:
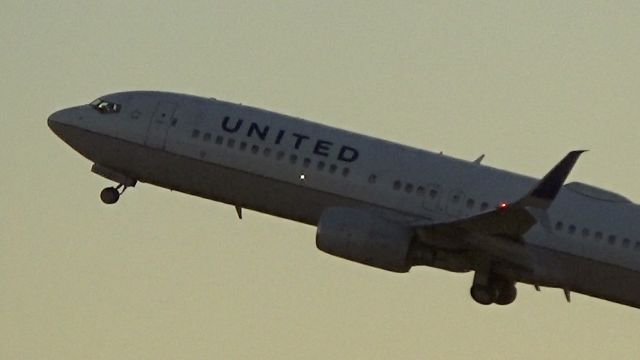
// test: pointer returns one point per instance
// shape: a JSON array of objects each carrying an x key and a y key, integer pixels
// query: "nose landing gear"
[{"x": 110, "y": 195}]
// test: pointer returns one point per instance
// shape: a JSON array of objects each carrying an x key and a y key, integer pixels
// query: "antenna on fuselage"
[{"x": 479, "y": 159}]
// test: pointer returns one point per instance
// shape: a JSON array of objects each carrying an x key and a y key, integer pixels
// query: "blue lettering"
[
  {"x": 348, "y": 154},
  {"x": 299, "y": 140},
  {"x": 227, "y": 128},
  {"x": 262, "y": 133},
  {"x": 322, "y": 147}
]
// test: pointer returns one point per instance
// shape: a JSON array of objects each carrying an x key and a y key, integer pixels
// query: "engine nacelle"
[{"x": 360, "y": 236}]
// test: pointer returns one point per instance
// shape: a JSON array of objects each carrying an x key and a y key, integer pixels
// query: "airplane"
[{"x": 374, "y": 202}]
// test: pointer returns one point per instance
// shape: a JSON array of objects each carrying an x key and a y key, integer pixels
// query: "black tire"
[
  {"x": 484, "y": 295},
  {"x": 109, "y": 195},
  {"x": 506, "y": 295}
]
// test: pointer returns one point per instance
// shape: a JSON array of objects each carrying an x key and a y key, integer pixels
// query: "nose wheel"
[{"x": 110, "y": 195}]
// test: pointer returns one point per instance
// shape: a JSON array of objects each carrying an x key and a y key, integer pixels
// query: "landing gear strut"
[
  {"x": 491, "y": 289},
  {"x": 110, "y": 195}
]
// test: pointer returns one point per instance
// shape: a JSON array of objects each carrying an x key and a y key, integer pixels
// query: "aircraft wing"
[{"x": 499, "y": 232}]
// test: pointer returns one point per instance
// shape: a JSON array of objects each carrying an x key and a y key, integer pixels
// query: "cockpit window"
[{"x": 105, "y": 107}]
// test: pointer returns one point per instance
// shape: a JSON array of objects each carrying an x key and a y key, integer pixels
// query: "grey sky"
[{"x": 164, "y": 275}]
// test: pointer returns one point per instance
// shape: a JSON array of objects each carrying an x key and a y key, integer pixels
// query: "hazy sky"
[{"x": 163, "y": 275}]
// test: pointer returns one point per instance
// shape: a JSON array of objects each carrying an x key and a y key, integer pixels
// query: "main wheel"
[
  {"x": 109, "y": 195},
  {"x": 506, "y": 294},
  {"x": 484, "y": 295}
]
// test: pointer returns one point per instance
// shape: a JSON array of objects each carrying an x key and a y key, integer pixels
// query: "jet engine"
[{"x": 361, "y": 236}]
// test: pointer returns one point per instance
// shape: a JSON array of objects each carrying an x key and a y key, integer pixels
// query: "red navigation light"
[{"x": 503, "y": 205}]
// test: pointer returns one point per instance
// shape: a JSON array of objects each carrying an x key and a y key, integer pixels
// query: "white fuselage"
[{"x": 293, "y": 168}]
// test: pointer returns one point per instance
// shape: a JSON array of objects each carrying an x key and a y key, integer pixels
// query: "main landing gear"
[
  {"x": 492, "y": 289},
  {"x": 110, "y": 195}
]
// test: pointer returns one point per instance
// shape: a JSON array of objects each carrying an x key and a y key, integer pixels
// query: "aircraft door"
[
  {"x": 455, "y": 202},
  {"x": 159, "y": 124}
]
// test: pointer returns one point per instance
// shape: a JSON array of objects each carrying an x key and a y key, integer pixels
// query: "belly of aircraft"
[{"x": 586, "y": 276}]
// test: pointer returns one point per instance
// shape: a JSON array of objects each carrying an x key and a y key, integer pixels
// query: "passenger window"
[
  {"x": 219, "y": 140},
  {"x": 636, "y": 247},
  {"x": 455, "y": 199},
  {"x": 612, "y": 239},
  {"x": 572, "y": 229},
  {"x": 333, "y": 168},
  {"x": 321, "y": 165},
  {"x": 625, "y": 243},
  {"x": 408, "y": 188},
  {"x": 585, "y": 232},
  {"x": 255, "y": 149},
  {"x": 280, "y": 155},
  {"x": 397, "y": 185},
  {"x": 195, "y": 133},
  {"x": 559, "y": 226},
  {"x": 433, "y": 193},
  {"x": 345, "y": 172},
  {"x": 266, "y": 152},
  {"x": 484, "y": 206},
  {"x": 598, "y": 235},
  {"x": 372, "y": 179},
  {"x": 306, "y": 162},
  {"x": 293, "y": 158},
  {"x": 231, "y": 143},
  {"x": 243, "y": 146},
  {"x": 420, "y": 190},
  {"x": 470, "y": 203},
  {"x": 207, "y": 137}
]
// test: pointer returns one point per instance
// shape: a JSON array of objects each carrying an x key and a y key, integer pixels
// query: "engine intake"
[{"x": 360, "y": 236}]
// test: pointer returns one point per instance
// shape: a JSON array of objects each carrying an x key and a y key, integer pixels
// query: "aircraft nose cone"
[
  {"x": 55, "y": 124},
  {"x": 58, "y": 122}
]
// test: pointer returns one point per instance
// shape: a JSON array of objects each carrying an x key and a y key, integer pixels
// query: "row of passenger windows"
[
  {"x": 433, "y": 193},
  {"x": 597, "y": 235},
  {"x": 470, "y": 204},
  {"x": 267, "y": 152}
]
